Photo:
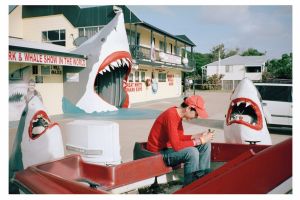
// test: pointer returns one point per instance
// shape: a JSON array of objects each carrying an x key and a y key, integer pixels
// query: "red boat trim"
[
  {"x": 249, "y": 169},
  {"x": 258, "y": 174}
]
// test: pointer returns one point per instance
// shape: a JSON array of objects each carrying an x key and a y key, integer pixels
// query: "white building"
[{"x": 235, "y": 68}]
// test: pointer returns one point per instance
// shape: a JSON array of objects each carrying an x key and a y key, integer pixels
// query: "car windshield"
[{"x": 275, "y": 93}]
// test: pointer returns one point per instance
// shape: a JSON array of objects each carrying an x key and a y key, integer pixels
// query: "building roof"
[
  {"x": 185, "y": 38},
  {"x": 240, "y": 60},
  {"x": 35, "y": 47},
  {"x": 92, "y": 16},
  {"x": 79, "y": 17}
]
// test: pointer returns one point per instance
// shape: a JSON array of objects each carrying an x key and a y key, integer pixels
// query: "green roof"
[
  {"x": 79, "y": 17},
  {"x": 185, "y": 38},
  {"x": 92, "y": 16}
]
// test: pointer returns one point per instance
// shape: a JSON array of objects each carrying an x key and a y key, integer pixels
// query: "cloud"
[
  {"x": 163, "y": 10},
  {"x": 219, "y": 15},
  {"x": 267, "y": 28}
]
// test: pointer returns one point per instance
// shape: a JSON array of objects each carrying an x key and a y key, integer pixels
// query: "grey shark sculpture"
[
  {"x": 37, "y": 140},
  {"x": 245, "y": 121},
  {"x": 102, "y": 84}
]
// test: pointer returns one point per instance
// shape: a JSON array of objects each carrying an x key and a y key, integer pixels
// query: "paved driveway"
[{"x": 135, "y": 123}]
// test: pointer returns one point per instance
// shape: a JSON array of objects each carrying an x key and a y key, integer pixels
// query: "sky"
[{"x": 266, "y": 28}]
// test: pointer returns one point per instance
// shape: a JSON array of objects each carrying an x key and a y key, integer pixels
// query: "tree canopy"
[
  {"x": 280, "y": 68},
  {"x": 252, "y": 52}
]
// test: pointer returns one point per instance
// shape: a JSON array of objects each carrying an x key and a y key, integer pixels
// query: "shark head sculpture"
[
  {"x": 103, "y": 82},
  {"x": 37, "y": 140},
  {"x": 245, "y": 122},
  {"x": 41, "y": 139}
]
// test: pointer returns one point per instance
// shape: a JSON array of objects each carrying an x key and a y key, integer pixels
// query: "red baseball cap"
[{"x": 197, "y": 103}]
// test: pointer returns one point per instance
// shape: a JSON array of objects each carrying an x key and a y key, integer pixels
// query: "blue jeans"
[{"x": 194, "y": 158}]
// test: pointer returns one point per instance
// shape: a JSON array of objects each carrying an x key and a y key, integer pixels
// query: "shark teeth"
[
  {"x": 114, "y": 64},
  {"x": 241, "y": 113},
  {"x": 119, "y": 63},
  {"x": 122, "y": 62},
  {"x": 239, "y": 103}
]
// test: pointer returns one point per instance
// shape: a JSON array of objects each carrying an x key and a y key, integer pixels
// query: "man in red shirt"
[{"x": 167, "y": 137}]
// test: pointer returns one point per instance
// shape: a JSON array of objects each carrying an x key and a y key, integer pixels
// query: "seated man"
[{"x": 167, "y": 137}]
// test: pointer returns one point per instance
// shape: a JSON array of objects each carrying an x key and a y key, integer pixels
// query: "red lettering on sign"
[
  {"x": 134, "y": 87},
  {"x": 12, "y": 56}
]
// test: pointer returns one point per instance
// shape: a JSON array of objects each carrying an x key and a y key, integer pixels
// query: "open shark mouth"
[
  {"x": 39, "y": 124},
  {"x": 244, "y": 111},
  {"x": 110, "y": 83}
]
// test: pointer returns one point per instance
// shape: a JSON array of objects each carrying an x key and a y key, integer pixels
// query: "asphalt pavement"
[{"x": 136, "y": 122}]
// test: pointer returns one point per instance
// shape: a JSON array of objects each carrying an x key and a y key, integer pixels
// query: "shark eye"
[{"x": 102, "y": 39}]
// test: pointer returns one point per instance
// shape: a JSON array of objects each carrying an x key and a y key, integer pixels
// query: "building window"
[
  {"x": 55, "y": 37},
  {"x": 176, "y": 50},
  {"x": 133, "y": 40},
  {"x": 171, "y": 48},
  {"x": 256, "y": 69},
  {"x": 35, "y": 69},
  {"x": 45, "y": 70},
  {"x": 228, "y": 69},
  {"x": 161, "y": 45},
  {"x": 39, "y": 79},
  {"x": 162, "y": 77},
  {"x": 142, "y": 76},
  {"x": 130, "y": 78},
  {"x": 88, "y": 31},
  {"x": 137, "y": 76}
]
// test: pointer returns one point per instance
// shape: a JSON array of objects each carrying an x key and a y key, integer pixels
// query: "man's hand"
[
  {"x": 207, "y": 137},
  {"x": 203, "y": 137},
  {"x": 197, "y": 136}
]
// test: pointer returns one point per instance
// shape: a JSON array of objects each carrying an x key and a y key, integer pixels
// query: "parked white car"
[{"x": 277, "y": 103}]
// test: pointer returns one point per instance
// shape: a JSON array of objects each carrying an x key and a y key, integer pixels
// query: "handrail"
[{"x": 144, "y": 53}]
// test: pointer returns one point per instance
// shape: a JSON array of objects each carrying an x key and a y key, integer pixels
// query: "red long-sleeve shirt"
[{"x": 167, "y": 132}]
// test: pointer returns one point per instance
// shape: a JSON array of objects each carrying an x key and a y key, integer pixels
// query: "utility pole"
[{"x": 219, "y": 63}]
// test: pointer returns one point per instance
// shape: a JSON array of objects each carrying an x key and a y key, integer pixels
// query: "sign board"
[
  {"x": 40, "y": 58},
  {"x": 171, "y": 59},
  {"x": 72, "y": 77}
]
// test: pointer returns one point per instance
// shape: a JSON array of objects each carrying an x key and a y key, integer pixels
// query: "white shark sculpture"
[
  {"x": 245, "y": 121},
  {"x": 108, "y": 66},
  {"x": 37, "y": 140}
]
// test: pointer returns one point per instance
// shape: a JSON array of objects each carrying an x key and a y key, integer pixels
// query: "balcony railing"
[{"x": 144, "y": 53}]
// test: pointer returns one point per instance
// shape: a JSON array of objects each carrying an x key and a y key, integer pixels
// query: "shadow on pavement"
[{"x": 213, "y": 123}]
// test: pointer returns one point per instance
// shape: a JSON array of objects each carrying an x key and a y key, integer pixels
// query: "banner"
[{"x": 26, "y": 57}]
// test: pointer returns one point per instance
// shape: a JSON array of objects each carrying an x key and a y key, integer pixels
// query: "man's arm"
[{"x": 174, "y": 137}]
